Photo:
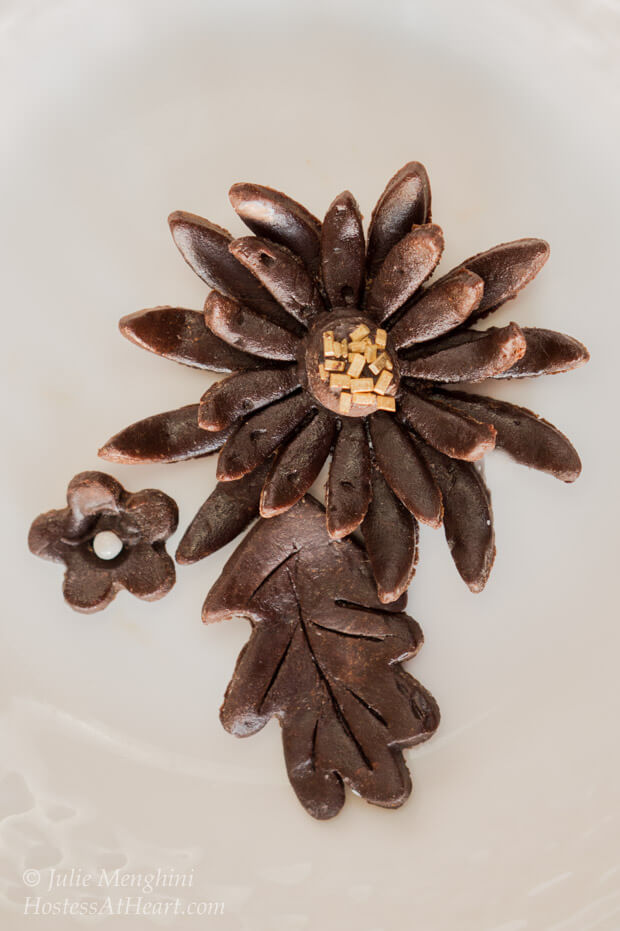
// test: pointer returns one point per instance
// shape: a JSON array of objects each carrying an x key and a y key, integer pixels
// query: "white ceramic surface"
[{"x": 114, "y": 113}]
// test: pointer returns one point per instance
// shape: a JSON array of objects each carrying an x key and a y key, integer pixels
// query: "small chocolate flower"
[{"x": 108, "y": 539}]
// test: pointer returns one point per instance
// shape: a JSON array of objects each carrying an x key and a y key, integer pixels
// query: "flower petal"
[
  {"x": 282, "y": 274},
  {"x": 297, "y": 465},
  {"x": 456, "y": 435},
  {"x": 228, "y": 510},
  {"x": 505, "y": 269},
  {"x": 87, "y": 586},
  {"x": 407, "y": 265},
  {"x": 260, "y": 435},
  {"x": 148, "y": 572},
  {"x": 239, "y": 395},
  {"x": 547, "y": 353},
  {"x": 467, "y": 518},
  {"x": 405, "y": 202},
  {"x": 343, "y": 253},
  {"x": 204, "y": 246},
  {"x": 244, "y": 329},
  {"x": 149, "y": 515},
  {"x": 278, "y": 217},
  {"x": 391, "y": 538},
  {"x": 443, "y": 307},
  {"x": 182, "y": 336},
  {"x": 487, "y": 357},
  {"x": 348, "y": 487},
  {"x": 168, "y": 437},
  {"x": 45, "y": 538},
  {"x": 405, "y": 470},
  {"x": 529, "y": 439}
]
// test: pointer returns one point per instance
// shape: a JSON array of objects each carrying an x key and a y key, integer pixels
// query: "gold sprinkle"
[
  {"x": 381, "y": 339},
  {"x": 334, "y": 365},
  {"x": 328, "y": 343},
  {"x": 388, "y": 363},
  {"x": 370, "y": 353},
  {"x": 357, "y": 345},
  {"x": 380, "y": 363},
  {"x": 345, "y": 402},
  {"x": 359, "y": 332},
  {"x": 361, "y": 384},
  {"x": 383, "y": 381},
  {"x": 386, "y": 403},
  {"x": 357, "y": 364},
  {"x": 344, "y": 349},
  {"x": 339, "y": 381},
  {"x": 323, "y": 372},
  {"x": 366, "y": 399}
]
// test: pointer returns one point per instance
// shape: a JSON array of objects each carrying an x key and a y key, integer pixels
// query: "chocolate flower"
[
  {"x": 341, "y": 348},
  {"x": 108, "y": 539}
]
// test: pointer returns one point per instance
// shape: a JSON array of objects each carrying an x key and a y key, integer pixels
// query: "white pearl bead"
[{"x": 107, "y": 545}]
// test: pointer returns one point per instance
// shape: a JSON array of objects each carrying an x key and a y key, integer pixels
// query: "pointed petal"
[
  {"x": 343, "y": 254},
  {"x": 204, "y": 246},
  {"x": 405, "y": 202},
  {"x": 238, "y": 395},
  {"x": 348, "y": 487},
  {"x": 391, "y": 538},
  {"x": 547, "y": 353},
  {"x": 228, "y": 510},
  {"x": 487, "y": 357},
  {"x": 529, "y": 439},
  {"x": 276, "y": 216},
  {"x": 260, "y": 435},
  {"x": 282, "y": 274},
  {"x": 506, "y": 269},
  {"x": 456, "y": 435},
  {"x": 298, "y": 465},
  {"x": 182, "y": 336},
  {"x": 443, "y": 307},
  {"x": 405, "y": 470},
  {"x": 243, "y": 328},
  {"x": 467, "y": 519},
  {"x": 168, "y": 437},
  {"x": 408, "y": 264}
]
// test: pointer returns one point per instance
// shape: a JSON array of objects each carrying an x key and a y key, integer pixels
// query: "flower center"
[
  {"x": 349, "y": 365},
  {"x": 107, "y": 545}
]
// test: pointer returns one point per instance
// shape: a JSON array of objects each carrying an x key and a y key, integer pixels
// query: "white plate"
[{"x": 114, "y": 114}]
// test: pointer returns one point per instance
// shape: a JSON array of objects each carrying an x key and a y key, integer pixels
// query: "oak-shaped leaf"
[{"x": 324, "y": 657}]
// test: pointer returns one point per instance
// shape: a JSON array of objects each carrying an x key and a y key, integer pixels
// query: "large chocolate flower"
[
  {"x": 341, "y": 348},
  {"x": 108, "y": 539}
]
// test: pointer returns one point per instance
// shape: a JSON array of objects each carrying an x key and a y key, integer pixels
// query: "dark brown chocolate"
[
  {"x": 248, "y": 331},
  {"x": 391, "y": 536},
  {"x": 440, "y": 309},
  {"x": 487, "y": 357},
  {"x": 405, "y": 202},
  {"x": 98, "y": 505},
  {"x": 452, "y": 433},
  {"x": 343, "y": 252},
  {"x": 239, "y": 395},
  {"x": 407, "y": 266},
  {"x": 325, "y": 660},
  {"x": 348, "y": 488}
]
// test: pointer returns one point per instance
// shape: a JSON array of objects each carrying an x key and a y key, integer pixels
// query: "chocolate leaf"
[
  {"x": 405, "y": 470},
  {"x": 547, "y": 353},
  {"x": 442, "y": 307},
  {"x": 297, "y": 465},
  {"x": 204, "y": 246},
  {"x": 283, "y": 274},
  {"x": 405, "y": 202},
  {"x": 276, "y": 216},
  {"x": 168, "y": 437},
  {"x": 238, "y": 395},
  {"x": 261, "y": 434},
  {"x": 505, "y": 269},
  {"x": 225, "y": 514},
  {"x": 407, "y": 265},
  {"x": 248, "y": 331},
  {"x": 467, "y": 517},
  {"x": 454, "y": 434},
  {"x": 182, "y": 336},
  {"x": 486, "y": 357},
  {"x": 526, "y": 437},
  {"x": 391, "y": 538},
  {"x": 324, "y": 658},
  {"x": 348, "y": 487},
  {"x": 343, "y": 254}
]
